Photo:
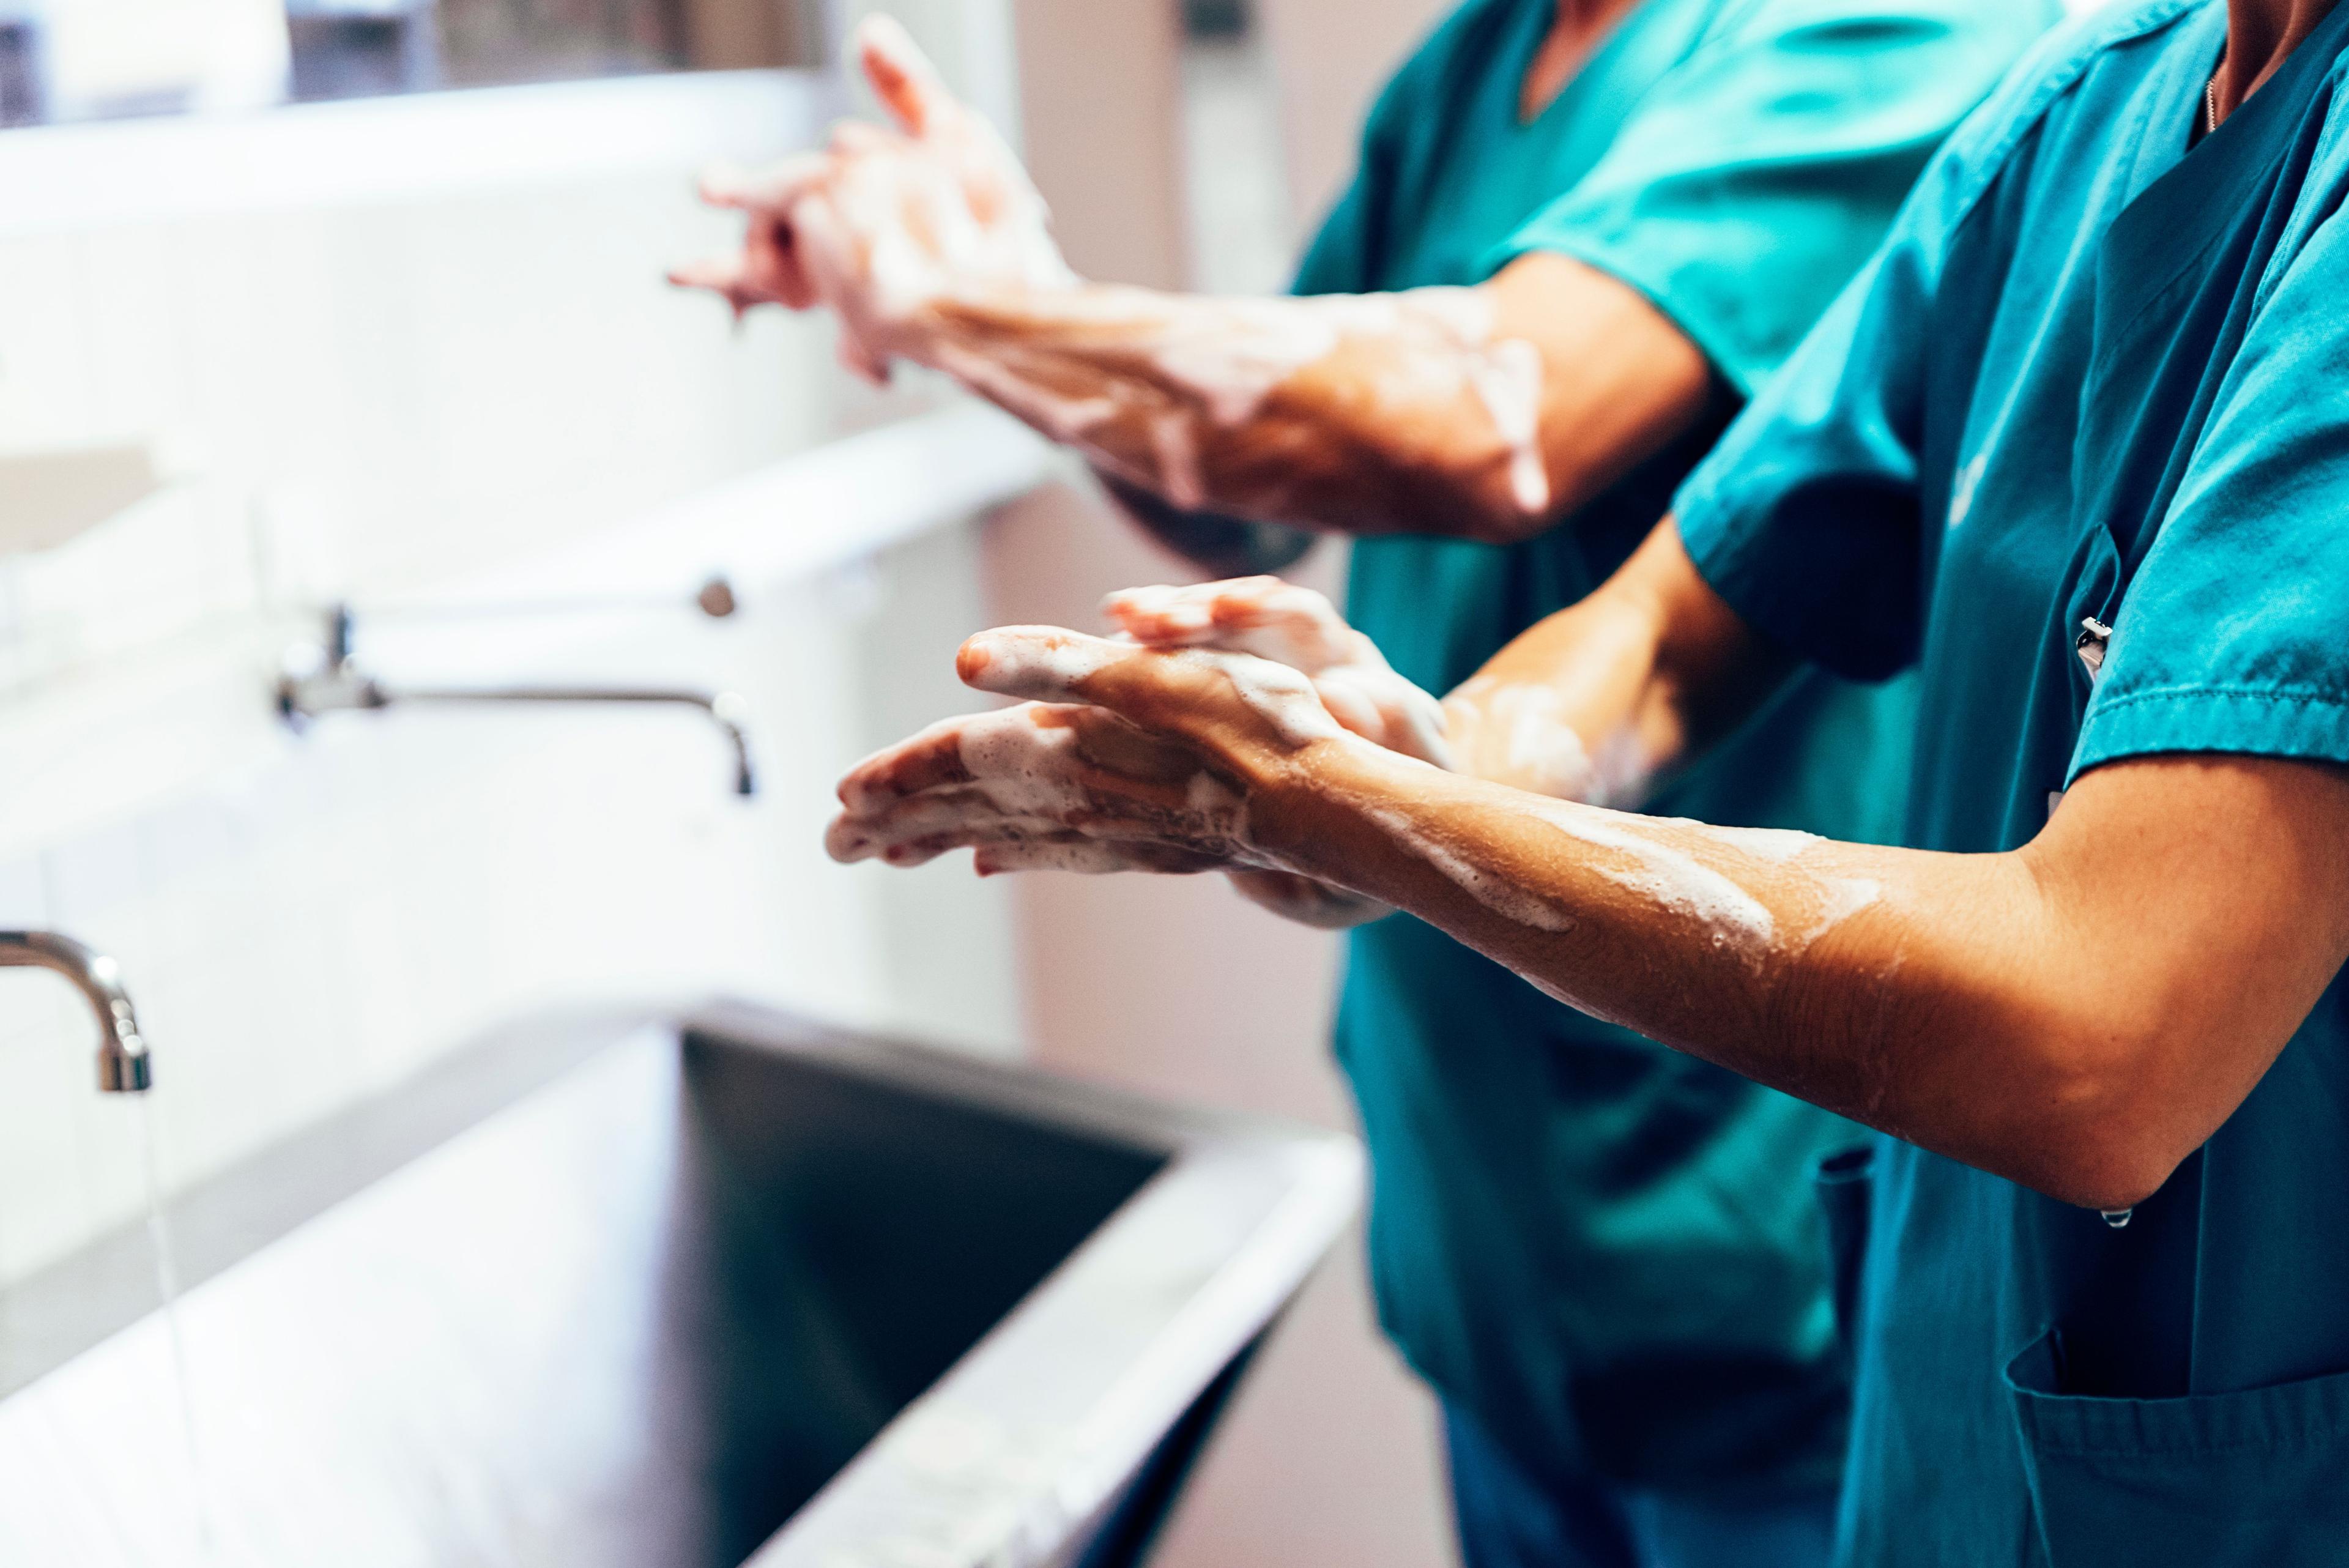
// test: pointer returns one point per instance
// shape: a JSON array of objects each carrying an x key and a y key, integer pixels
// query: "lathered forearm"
[
  {"x": 1366, "y": 414},
  {"x": 1930, "y": 996},
  {"x": 2079, "y": 1014},
  {"x": 1601, "y": 702}
]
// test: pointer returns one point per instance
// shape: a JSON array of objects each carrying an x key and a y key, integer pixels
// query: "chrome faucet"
[
  {"x": 122, "y": 1064},
  {"x": 326, "y": 678}
]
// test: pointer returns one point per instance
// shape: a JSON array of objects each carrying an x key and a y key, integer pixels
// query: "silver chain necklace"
[{"x": 2210, "y": 105}]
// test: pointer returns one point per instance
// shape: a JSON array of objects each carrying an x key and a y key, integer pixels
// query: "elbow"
[
  {"x": 2110, "y": 1172},
  {"x": 2110, "y": 1132}
]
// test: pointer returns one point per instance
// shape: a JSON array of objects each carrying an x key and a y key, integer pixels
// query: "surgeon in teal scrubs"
[
  {"x": 2075, "y": 448},
  {"x": 1605, "y": 1257}
]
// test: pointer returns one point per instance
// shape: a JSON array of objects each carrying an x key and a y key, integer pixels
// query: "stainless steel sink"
[{"x": 677, "y": 1295}]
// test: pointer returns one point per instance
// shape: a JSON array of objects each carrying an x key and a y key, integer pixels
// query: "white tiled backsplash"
[{"x": 370, "y": 401}]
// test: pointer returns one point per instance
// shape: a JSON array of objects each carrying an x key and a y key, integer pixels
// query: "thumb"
[{"x": 902, "y": 76}]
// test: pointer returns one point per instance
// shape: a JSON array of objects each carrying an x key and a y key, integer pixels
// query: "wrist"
[{"x": 1299, "y": 805}]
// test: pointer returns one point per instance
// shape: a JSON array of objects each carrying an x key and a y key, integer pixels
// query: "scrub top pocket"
[{"x": 2252, "y": 1479}]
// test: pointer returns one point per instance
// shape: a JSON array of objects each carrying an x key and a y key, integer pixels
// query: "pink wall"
[{"x": 1331, "y": 56}]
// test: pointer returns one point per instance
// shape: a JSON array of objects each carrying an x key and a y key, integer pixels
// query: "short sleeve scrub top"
[
  {"x": 2076, "y": 447},
  {"x": 1607, "y": 1253}
]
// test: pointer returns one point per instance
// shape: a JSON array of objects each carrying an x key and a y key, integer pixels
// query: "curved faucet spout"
[{"x": 122, "y": 1062}]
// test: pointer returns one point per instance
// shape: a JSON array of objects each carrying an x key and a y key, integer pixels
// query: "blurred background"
[{"x": 306, "y": 302}]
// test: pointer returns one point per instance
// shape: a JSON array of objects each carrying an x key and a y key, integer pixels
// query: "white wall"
[{"x": 390, "y": 396}]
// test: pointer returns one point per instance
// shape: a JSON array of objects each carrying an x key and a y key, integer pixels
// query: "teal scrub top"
[
  {"x": 2098, "y": 372},
  {"x": 1606, "y": 1253}
]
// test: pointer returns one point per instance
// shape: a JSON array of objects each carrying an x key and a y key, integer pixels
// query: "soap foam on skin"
[
  {"x": 1299, "y": 629},
  {"x": 1509, "y": 382},
  {"x": 1775, "y": 845},
  {"x": 1283, "y": 697},
  {"x": 1496, "y": 893},
  {"x": 1540, "y": 749},
  {"x": 1040, "y": 662},
  {"x": 1068, "y": 420},
  {"x": 1022, "y": 768},
  {"x": 948, "y": 207},
  {"x": 897, "y": 227},
  {"x": 1678, "y": 881},
  {"x": 1026, "y": 783}
]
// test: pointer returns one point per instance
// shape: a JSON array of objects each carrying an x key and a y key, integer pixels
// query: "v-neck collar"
[
  {"x": 1537, "y": 15},
  {"x": 2176, "y": 185}
]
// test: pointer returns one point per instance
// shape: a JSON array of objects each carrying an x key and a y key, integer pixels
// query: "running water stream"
[{"x": 167, "y": 1289}]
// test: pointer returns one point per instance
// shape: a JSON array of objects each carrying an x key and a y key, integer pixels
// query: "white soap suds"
[
  {"x": 1229, "y": 356},
  {"x": 1381, "y": 706},
  {"x": 1539, "y": 749},
  {"x": 1176, "y": 449},
  {"x": 1508, "y": 379},
  {"x": 1301, "y": 629},
  {"x": 1064, "y": 419},
  {"x": 1213, "y": 799},
  {"x": 1678, "y": 881},
  {"x": 1042, "y": 662},
  {"x": 1840, "y": 897},
  {"x": 1284, "y": 698},
  {"x": 1023, "y": 768},
  {"x": 1775, "y": 845},
  {"x": 1496, "y": 893}
]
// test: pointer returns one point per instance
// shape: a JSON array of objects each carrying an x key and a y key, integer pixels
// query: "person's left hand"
[
  {"x": 887, "y": 222},
  {"x": 1122, "y": 758},
  {"x": 1273, "y": 619}
]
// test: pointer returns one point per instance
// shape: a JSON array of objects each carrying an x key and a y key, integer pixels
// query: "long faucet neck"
[{"x": 123, "y": 1067}]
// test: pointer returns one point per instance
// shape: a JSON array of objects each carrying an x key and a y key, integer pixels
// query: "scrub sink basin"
[{"x": 680, "y": 1294}]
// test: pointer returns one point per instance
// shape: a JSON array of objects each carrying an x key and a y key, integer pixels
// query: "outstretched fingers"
[
  {"x": 770, "y": 190},
  {"x": 902, "y": 76}
]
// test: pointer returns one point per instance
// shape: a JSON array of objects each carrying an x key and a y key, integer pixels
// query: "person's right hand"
[{"x": 886, "y": 222}]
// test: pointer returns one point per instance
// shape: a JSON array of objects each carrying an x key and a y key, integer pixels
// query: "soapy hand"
[
  {"x": 1122, "y": 758},
  {"x": 1277, "y": 620},
  {"x": 887, "y": 222},
  {"x": 1294, "y": 625},
  {"x": 1512, "y": 732}
]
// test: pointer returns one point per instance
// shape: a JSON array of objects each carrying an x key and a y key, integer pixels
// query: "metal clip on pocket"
[{"x": 2096, "y": 640}]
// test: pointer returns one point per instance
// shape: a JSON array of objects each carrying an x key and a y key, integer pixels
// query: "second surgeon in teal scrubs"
[
  {"x": 2076, "y": 447},
  {"x": 1601, "y": 226}
]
